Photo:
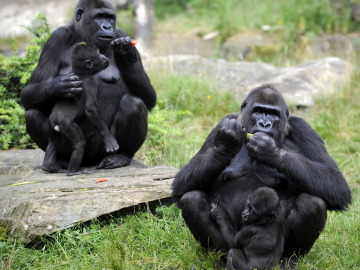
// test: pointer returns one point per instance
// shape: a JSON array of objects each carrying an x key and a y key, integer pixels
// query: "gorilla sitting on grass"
[{"x": 284, "y": 153}]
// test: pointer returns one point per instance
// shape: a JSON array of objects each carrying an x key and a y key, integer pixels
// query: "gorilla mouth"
[
  {"x": 106, "y": 38},
  {"x": 271, "y": 134}
]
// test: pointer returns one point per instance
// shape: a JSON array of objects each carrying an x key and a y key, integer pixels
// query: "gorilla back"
[{"x": 124, "y": 91}]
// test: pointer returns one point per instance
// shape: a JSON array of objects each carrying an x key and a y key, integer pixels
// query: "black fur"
[
  {"x": 124, "y": 91},
  {"x": 260, "y": 243},
  {"x": 86, "y": 62},
  {"x": 285, "y": 153}
]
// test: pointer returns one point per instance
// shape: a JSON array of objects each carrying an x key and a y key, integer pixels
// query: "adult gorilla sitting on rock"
[
  {"x": 125, "y": 94},
  {"x": 285, "y": 153}
]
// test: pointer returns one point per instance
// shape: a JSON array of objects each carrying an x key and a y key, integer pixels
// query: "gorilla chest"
[
  {"x": 232, "y": 195},
  {"x": 109, "y": 75}
]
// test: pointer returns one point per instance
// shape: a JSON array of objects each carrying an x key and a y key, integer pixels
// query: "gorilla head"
[
  {"x": 265, "y": 110},
  {"x": 262, "y": 207},
  {"x": 86, "y": 59},
  {"x": 95, "y": 21}
]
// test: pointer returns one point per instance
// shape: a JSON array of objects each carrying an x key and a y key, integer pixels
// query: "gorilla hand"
[
  {"x": 67, "y": 86},
  {"x": 263, "y": 148},
  {"x": 124, "y": 49},
  {"x": 230, "y": 137},
  {"x": 216, "y": 213}
]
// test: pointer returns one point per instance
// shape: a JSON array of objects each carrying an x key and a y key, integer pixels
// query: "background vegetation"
[{"x": 188, "y": 108}]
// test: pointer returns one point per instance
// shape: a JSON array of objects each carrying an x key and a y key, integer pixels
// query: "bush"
[{"x": 15, "y": 72}]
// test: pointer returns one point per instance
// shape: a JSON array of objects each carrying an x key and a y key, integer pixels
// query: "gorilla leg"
[
  {"x": 196, "y": 213},
  {"x": 129, "y": 127},
  {"x": 50, "y": 163},
  {"x": 305, "y": 221},
  {"x": 37, "y": 126},
  {"x": 236, "y": 259}
]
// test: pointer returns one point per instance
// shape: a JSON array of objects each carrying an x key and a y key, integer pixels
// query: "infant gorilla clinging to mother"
[
  {"x": 86, "y": 61},
  {"x": 260, "y": 243}
]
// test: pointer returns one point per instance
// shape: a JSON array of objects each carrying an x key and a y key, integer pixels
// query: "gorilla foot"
[
  {"x": 80, "y": 171},
  {"x": 114, "y": 161},
  {"x": 52, "y": 168}
]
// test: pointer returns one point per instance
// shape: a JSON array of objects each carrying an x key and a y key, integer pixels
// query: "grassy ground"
[
  {"x": 188, "y": 108},
  {"x": 162, "y": 240}
]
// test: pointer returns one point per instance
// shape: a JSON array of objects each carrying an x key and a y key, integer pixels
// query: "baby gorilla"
[
  {"x": 86, "y": 61},
  {"x": 260, "y": 243}
]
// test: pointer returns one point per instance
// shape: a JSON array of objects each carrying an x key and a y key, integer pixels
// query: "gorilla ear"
[
  {"x": 79, "y": 13},
  {"x": 89, "y": 64}
]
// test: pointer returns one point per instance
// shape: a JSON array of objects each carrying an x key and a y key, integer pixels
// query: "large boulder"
[
  {"x": 299, "y": 84},
  {"x": 35, "y": 203}
]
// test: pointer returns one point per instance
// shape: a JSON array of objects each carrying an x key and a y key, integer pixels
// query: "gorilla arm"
[
  {"x": 219, "y": 148},
  {"x": 304, "y": 159},
  {"x": 45, "y": 84},
  {"x": 129, "y": 62}
]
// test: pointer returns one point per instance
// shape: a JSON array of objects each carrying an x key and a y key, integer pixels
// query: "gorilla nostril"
[{"x": 264, "y": 124}]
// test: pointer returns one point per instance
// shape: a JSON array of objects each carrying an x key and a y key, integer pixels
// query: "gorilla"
[
  {"x": 285, "y": 154},
  {"x": 260, "y": 243},
  {"x": 124, "y": 91},
  {"x": 86, "y": 61}
]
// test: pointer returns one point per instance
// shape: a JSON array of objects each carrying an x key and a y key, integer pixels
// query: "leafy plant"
[{"x": 15, "y": 71}]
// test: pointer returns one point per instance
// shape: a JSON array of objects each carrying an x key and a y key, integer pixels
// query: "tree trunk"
[{"x": 144, "y": 11}]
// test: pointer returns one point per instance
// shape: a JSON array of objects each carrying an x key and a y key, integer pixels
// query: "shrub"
[{"x": 15, "y": 71}]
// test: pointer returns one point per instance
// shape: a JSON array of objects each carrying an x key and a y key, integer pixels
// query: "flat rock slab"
[{"x": 35, "y": 203}]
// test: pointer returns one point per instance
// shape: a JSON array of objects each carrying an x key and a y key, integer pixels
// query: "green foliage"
[
  {"x": 164, "y": 8},
  {"x": 15, "y": 71},
  {"x": 290, "y": 20},
  {"x": 126, "y": 21},
  {"x": 186, "y": 105},
  {"x": 12, "y": 126}
]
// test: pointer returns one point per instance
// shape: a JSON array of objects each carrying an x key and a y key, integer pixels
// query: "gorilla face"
[
  {"x": 262, "y": 206},
  {"x": 265, "y": 118},
  {"x": 86, "y": 59},
  {"x": 264, "y": 110},
  {"x": 95, "y": 21}
]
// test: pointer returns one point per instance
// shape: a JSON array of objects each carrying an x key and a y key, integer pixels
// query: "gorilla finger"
[
  {"x": 213, "y": 206},
  {"x": 232, "y": 124},
  {"x": 75, "y": 91},
  {"x": 252, "y": 149},
  {"x": 224, "y": 125},
  {"x": 239, "y": 125},
  {"x": 75, "y": 84},
  {"x": 127, "y": 39},
  {"x": 72, "y": 77},
  {"x": 116, "y": 41}
]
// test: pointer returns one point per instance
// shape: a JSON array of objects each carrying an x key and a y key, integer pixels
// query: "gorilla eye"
[
  {"x": 89, "y": 64},
  {"x": 249, "y": 206}
]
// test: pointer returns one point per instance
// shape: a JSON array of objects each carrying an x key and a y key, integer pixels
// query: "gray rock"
[
  {"x": 299, "y": 84},
  {"x": 34, "y": 203},
  {"x": 336, "y": 44},
  {"x": 249, "y": 45}
]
